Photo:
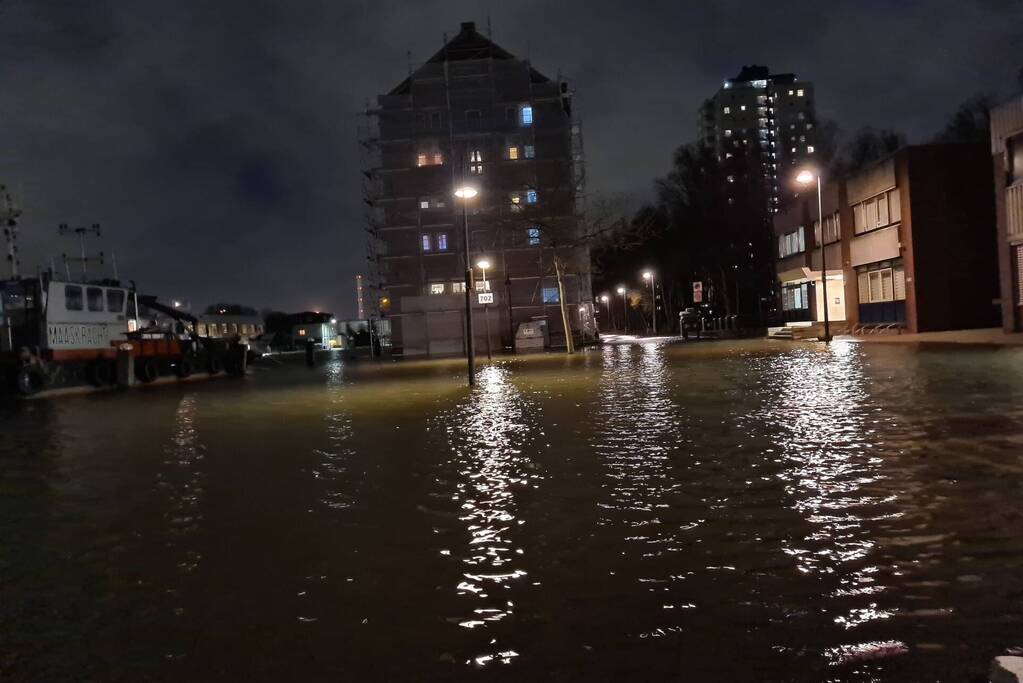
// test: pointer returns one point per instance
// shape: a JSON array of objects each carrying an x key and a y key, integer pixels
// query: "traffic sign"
[{"x": 485, "y": 297}]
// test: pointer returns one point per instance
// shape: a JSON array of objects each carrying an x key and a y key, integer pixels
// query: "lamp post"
[
  {"x": 625, "y": 308},
  {"x": 648, "y": 275},
  {"x": 465, "y": 193},
  {"x": 483, "y": 265},
  {"x": 804, "y": 178},
  {"x": 604, "y": 300}
]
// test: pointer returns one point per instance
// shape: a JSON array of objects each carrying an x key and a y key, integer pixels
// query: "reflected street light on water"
[{"x": 483, "y": 264}]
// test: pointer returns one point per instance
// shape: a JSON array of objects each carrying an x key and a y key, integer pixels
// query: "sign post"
[
  {"x": 697, "y": 292},
  {"x": 486, "y": 298}
]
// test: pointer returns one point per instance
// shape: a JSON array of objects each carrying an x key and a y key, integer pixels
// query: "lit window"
[
  {"x": 728, "y": 132},
  {"x": 531, "y": 196},
  {"x": 476, "y": 168},
  {"x": 513, "y": 152},
  {"x": 793, "y": 150},
  {"x": 529, "y": 151},
  {"x": 424, "y": 203},
  {"x": 427, "y": 243},
  {"x": 550, "y": 295},
  {"x": 809, "y": 149},
  {"x": 526, "y": 115},
  {"x": 533, "y": 235},
  {"x": 728, "y": 110},
  {"x": 458, "y": 287},
  {"x": 442, "y": 241},
  {"x": 476, "y": 156},
  {"x": 731, "y": 178},
  {"x": 438, "y": 159},
  {"x": 728, "y": 155},
  {"x": 742, "y": 107},
  {"x": 421, "y": 160},
  {"x": 799, "y": 93},
  {"x": 436, "y": 288},
  {"x": 515, "y": 199}
]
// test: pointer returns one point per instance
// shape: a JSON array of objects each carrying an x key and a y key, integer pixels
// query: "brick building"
[{"x": 910, "y": 240}]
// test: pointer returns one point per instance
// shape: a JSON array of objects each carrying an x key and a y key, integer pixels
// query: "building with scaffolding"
[{"x": 475, "y": 115}]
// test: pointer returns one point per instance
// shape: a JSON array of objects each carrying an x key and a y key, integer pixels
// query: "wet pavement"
[{"x": 719, "y": 511}]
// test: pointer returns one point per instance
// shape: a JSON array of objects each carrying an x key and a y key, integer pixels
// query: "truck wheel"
[
  {"x": 29, "y": 380},
  {"x": 184, "y": 367},
  {"x": 147, "y": 371},
  {"x": 99, "y": 373}
]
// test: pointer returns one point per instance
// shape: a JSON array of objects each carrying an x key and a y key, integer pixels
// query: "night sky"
[{"x": 216, "y": 141}]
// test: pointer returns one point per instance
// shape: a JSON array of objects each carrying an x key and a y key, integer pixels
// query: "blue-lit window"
[
  {"x": 531, "y": 196},
  {"x": 442, "y": 241},
  {"x": 533, "y": 234},
  {"x": 550, "y": 295},
  {"x": 427, "y": 243},
  {"x": 526, "y": 115}
]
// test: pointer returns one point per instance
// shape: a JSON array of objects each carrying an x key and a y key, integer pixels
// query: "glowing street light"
[
  {"x": 625, "y": 307},
  {"x": 465, "y": 193},
  {"x": 604, "y": 298},
  {"x": 483, "y": 264},
  {"x": 648, "y": 275},
  {"x": 806, "y": 177}
]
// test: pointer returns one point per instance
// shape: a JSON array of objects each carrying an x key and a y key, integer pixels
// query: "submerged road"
[{"x": 722, "y": 511}]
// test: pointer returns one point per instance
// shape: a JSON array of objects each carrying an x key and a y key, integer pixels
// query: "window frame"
[
  {"x": 115, "y": 294},
  {"x": 74, "y": 294},
  {"x": 550, "y": 295},
  {"x": 94, "y": 299}
]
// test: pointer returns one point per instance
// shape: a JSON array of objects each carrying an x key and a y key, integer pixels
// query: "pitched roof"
[{"x": 468, "y": 44}]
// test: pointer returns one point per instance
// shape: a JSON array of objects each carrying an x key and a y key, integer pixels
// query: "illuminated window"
[
  {"x": 550, "y": 295},
  {"x": 424, "y": 203},
  {"x": 792, "y": 92},
  {"x": 476, "y": 162},
  {"x": 727, "y": 110},
  {"x": 531, "y": 196},
  {"x": 533, "y": 236},
  {"x": 728, "y": 132},
  {"x": 421, "y": 160},
  {"x": 458, "y": 287},
  {"x": 526, "y": 115},
  {"x": 793, "y": 150},
  {"x": 742, "y": 107},
  {"x": 529, "y": 151},
  {"x": 438, "y": 159},
  {"x": 436, "y": 288},
  {"x": 427, "y": 243},
  {"x": 809, "y": 149},
  {"x": 513, "y": 152},
  {"x": 799, "y": 93},
  {"x": 442, "y": 241},
  {"x": 731, "y": 178}
]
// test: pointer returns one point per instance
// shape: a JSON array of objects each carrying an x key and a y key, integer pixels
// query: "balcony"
[{"x": 1014, "y": 211}]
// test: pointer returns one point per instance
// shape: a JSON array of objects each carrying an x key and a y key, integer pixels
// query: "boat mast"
[{"x": 9, "y": 218}]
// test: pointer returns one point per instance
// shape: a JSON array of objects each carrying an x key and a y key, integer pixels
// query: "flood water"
[{"x": 711, "y": 512}]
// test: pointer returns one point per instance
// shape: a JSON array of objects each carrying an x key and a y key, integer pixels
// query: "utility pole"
[
  {"x": 9, "y": 218},
  {"x": 358, "y": 297}
]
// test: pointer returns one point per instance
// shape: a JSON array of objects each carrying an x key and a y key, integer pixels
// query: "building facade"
[
  {"x": 910, "y": 245},
  {"x": 1007, "y": 160},
  {"x": 771, "y": 115},
  {"x": 475, "y": 115}
]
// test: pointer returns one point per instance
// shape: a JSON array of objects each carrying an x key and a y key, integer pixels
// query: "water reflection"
[
  {"x": 490, "y": 437},
  {"x": 182, "y": 479},
  {"x": 334, "y": 461},
  {"x": 831, "y": 470}
]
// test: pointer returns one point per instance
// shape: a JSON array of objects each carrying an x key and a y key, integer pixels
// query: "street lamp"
[
  {"x": 483, "y": 265},
  {"x": 604, "y": 300},
  {"x": 648, "y": 275},
  {"x": 806, "y": 177},
  {"x": 625, "y": 308},
  {"x": 465, "y": 193}
]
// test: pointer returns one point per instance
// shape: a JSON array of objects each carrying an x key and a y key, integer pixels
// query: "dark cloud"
[{"x": 216, "y": 141}]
